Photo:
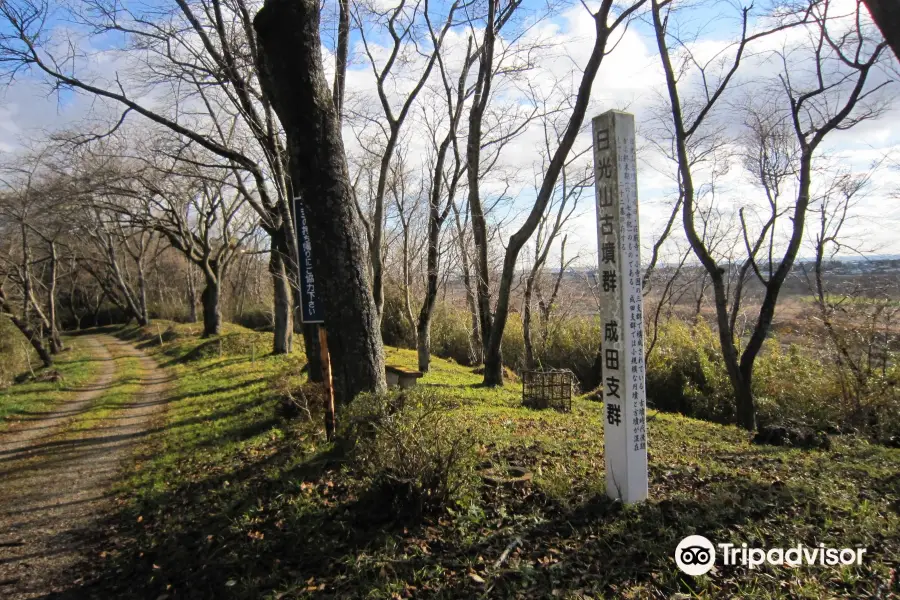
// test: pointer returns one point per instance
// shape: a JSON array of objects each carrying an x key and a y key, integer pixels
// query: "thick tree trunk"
[
  {"x": 284, "y": 326},
  {"x": 212, "y": 315},
  {"x": 311, "y": 344},
  {"x": 293, "y": 77},
  {"x": 745, "y": 404},
  {"x": 886, "y": 14},
  {"x": 313, "y": 349},
  {"x": 423, "y": 343}
]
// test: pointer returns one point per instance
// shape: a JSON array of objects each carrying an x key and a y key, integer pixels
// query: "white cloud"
[{"x": 630, "y": 78}]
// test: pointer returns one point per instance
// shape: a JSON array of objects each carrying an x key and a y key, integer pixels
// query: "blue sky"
[{"x": 629, "y": 78}]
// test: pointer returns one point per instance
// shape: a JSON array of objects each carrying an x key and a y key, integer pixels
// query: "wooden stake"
[
  {"x": 326, "y": 377},
  {"x": 253, "y": 353},
  {"x": 159, "y": 333}
]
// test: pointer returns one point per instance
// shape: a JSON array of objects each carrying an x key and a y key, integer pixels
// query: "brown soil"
[{"x": 54, "y": 482}]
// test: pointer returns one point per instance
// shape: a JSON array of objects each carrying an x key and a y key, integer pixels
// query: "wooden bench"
[{"x": 398, "y": 376}]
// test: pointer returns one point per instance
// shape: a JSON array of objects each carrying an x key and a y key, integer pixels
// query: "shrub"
[
  {"x": 791, "y": 385},
  {"x": 15, "y": 352},
  {"x": 450, "y": 333},
  {"x": 396, "y": 330},
  {"x": 573, "y": 344},
  {"x": 259, "y": 318},
  {"x": 297, "y": 397},
  {"x": 514, "y": 343},
  {"x": 409, "y": 448},
  {"x": 686, "y": 374}
]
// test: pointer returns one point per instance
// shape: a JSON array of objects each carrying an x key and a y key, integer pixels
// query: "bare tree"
[
  {"x": 575, "y": 177},
  {"x": 204, "y": 54},
  {"x": 493, "y": 325},
  {"x": 202, "y": 217},
  {"x": 836, "y": 96},
  {"x": 293, "y": 76},
  {"x": 445, "y": 181},
  {"x": 402, "y": 23}
]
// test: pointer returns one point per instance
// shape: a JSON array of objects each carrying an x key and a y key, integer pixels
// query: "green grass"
[
  {"x": 228, "y": 500},
  {"x": 34, "y": 396}
]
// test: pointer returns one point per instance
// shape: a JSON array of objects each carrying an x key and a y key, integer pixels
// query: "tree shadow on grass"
[{"x": 275, "y": 521}]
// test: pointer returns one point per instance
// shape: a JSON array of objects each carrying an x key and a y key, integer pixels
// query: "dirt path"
[{"x": 54, "y": 481}]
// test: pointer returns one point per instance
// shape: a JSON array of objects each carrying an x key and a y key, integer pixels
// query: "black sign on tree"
[{"x": 312, "y": 310}]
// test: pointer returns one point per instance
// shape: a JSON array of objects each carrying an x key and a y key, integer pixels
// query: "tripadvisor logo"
[{"x": 696, "y": 555}]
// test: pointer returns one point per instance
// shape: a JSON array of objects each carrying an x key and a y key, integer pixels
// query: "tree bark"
[
  {"x": 284, "y": 327},
  {"x": 423, "y": 327},
  {"x": 293, "y": 77},
  {"x": 191, "y": 295},
  {"x": 886, "y": 14},
  {"x": 423, "y": 343},
  {"x": 142, "y": 293},
  {"x": 526, "y": 322},
  {"x": 494, "y": 325},
  {"x": 340, "y": 65},
  {"x": 311, "y": 342},
  {"x": 55, "y": 339},
  {"x": 212, "y": 315},
  {"x": 313, "y": 348}
]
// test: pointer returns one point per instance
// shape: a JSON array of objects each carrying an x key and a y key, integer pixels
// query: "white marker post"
[{"x": 621, "y": 307}]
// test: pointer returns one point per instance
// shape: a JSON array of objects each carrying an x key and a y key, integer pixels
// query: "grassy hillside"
[
  {"x": 229, "y": 500},
  {"x": 48, "y": 386}
]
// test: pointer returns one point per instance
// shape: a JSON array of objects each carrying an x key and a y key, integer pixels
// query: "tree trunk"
[
  {"x": 311, "y": 344},
  {"x": 423, "y": 343},
  {"x": 746, "y": 407},
  {"x": 284, "y": 327},
  {"x": 142, "y": 294},
  {"x": 26, "y": 274},
  {"x": 96, "y": 312},
  {"x": 526, "y": 322},
  {"x": 293, "y": 78},
  {"x": 313, "y": 348},
  {"x": 56, "y": 344},
  {"x": 474, "y": 334},
  {"x": 423, "y": 327},
  {"x": 493, "y": 325},
  {"x": 212, "y": 316},
  {"x": 407, "y": 300},
  {"x": 130, "y": 306},
  {"x": 886, "y": 14},
  {"x": 192, "y": 295},
  {"x": 423, "y": 337}
]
